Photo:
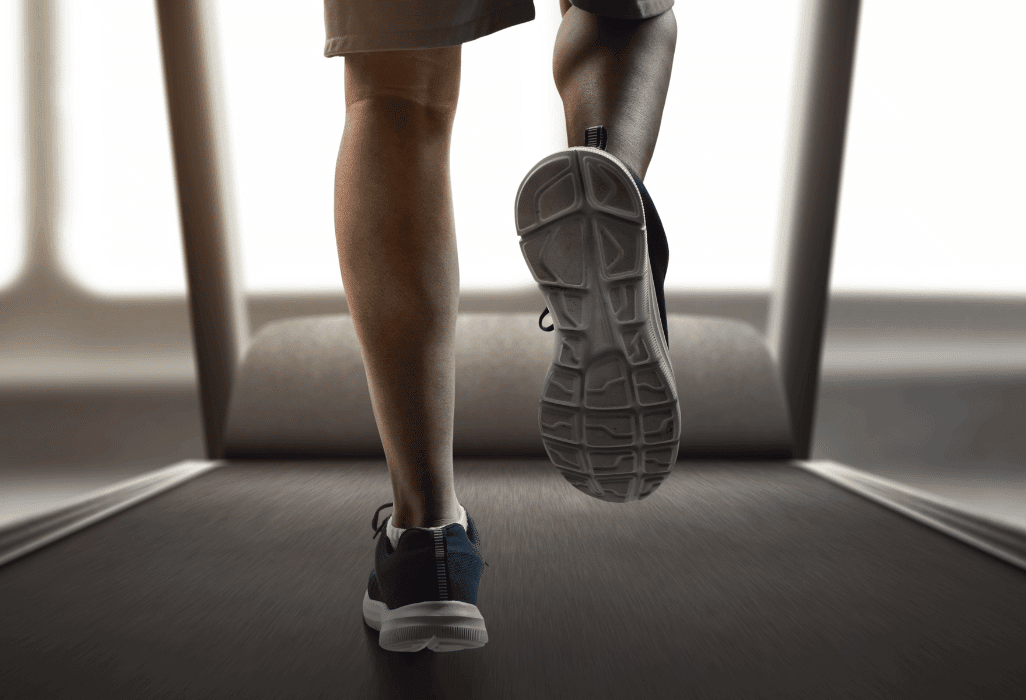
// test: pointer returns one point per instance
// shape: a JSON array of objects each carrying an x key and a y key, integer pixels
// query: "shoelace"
[
  {"x": 378, "y": 528},
  {"x": 384, "y": 524},
  {"x": 540, "y": 319}
]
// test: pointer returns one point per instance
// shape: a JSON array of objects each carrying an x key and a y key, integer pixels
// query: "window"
[
  {"x": 934, "y": 158},
  {"x": 717, "y": 171},
  {"x": 12, "y": 137},
  {"x": 118, "y": 224},
  {"x": 935, "y": 165}
]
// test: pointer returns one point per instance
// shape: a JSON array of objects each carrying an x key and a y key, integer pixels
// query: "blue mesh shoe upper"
[{"x": 441, "y": 564}]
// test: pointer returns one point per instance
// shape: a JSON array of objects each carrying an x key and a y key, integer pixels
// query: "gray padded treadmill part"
[
  {"x": 302, "y": 390},
  {"x": 733, "y": 580}
]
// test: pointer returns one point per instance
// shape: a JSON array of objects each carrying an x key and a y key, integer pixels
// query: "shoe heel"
[{"x": 551, "y": 205}]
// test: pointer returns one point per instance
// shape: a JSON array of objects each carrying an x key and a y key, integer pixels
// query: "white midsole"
[{"x": 434, "y": 612}]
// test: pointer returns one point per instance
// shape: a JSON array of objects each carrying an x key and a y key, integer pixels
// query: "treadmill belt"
[{"x": 733, "y": 580}]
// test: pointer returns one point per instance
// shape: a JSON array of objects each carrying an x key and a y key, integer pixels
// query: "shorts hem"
[
  {"x": 641, "y": 9},
  {"x": 432, "y": 38}
]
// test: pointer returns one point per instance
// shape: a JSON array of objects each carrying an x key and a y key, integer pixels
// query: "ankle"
[{"x": 404, "y": 518}]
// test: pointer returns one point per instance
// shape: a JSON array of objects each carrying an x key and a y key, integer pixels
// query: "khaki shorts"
[{"x": 356, "y": 26}]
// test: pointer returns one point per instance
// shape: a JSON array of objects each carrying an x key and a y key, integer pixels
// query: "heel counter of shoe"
[
  {"x": 408, "y": 574},
  {"x": 462, "y": 560}
]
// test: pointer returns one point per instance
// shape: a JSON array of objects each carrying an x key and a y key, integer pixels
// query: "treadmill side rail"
[{"x": 1004, "y": 540}]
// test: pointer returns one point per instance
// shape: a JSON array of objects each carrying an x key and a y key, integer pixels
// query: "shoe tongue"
[{"x": 595, "y": 137}]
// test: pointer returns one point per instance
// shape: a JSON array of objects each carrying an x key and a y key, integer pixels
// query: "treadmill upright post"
[
  {"x": 40, "y": 124},
  {"x": 220, "y": 322},
  {"x": 819, "y": 116}
]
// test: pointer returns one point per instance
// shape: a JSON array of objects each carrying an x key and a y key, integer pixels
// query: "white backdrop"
[
  {"x": 12, "y": 179},
  {"x": 932, "y": 188}
]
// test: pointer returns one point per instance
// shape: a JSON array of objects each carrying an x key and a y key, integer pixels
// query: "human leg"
[
  {"x": 396, "y": 241},
  {"x": 615, "y": 72},
  {"x": 590, "y": 233}
]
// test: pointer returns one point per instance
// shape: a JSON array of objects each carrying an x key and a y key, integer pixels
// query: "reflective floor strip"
[
  {"x": 1004, "y": 540},
  {"x": 27, "y": 534}
]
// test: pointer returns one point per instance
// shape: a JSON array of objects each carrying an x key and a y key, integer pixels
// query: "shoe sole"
[
  {"x": 609, "y": 416},
  {"x": 447, "y": 625}
]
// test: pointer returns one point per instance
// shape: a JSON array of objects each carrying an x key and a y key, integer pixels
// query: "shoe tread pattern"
[{"x": 609, "y": 416}]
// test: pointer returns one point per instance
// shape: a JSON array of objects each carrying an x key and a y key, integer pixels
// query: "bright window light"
[
  {"x": 933, "y": 168},
  {"x": 935, "y": 165},
  {"x": 286, "y": 107},
  {"x": 717, "y": 169},
  {"x": 118, "y": 219},
  {"x": 12, "y": 166}
]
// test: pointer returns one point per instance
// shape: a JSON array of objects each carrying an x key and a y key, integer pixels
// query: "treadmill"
[{"x": 751, "y": 572}]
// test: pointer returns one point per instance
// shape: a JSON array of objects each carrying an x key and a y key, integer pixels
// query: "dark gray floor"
[
  {"x": 958, "y": 438},
  {"x": 754, "y": 580}
]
